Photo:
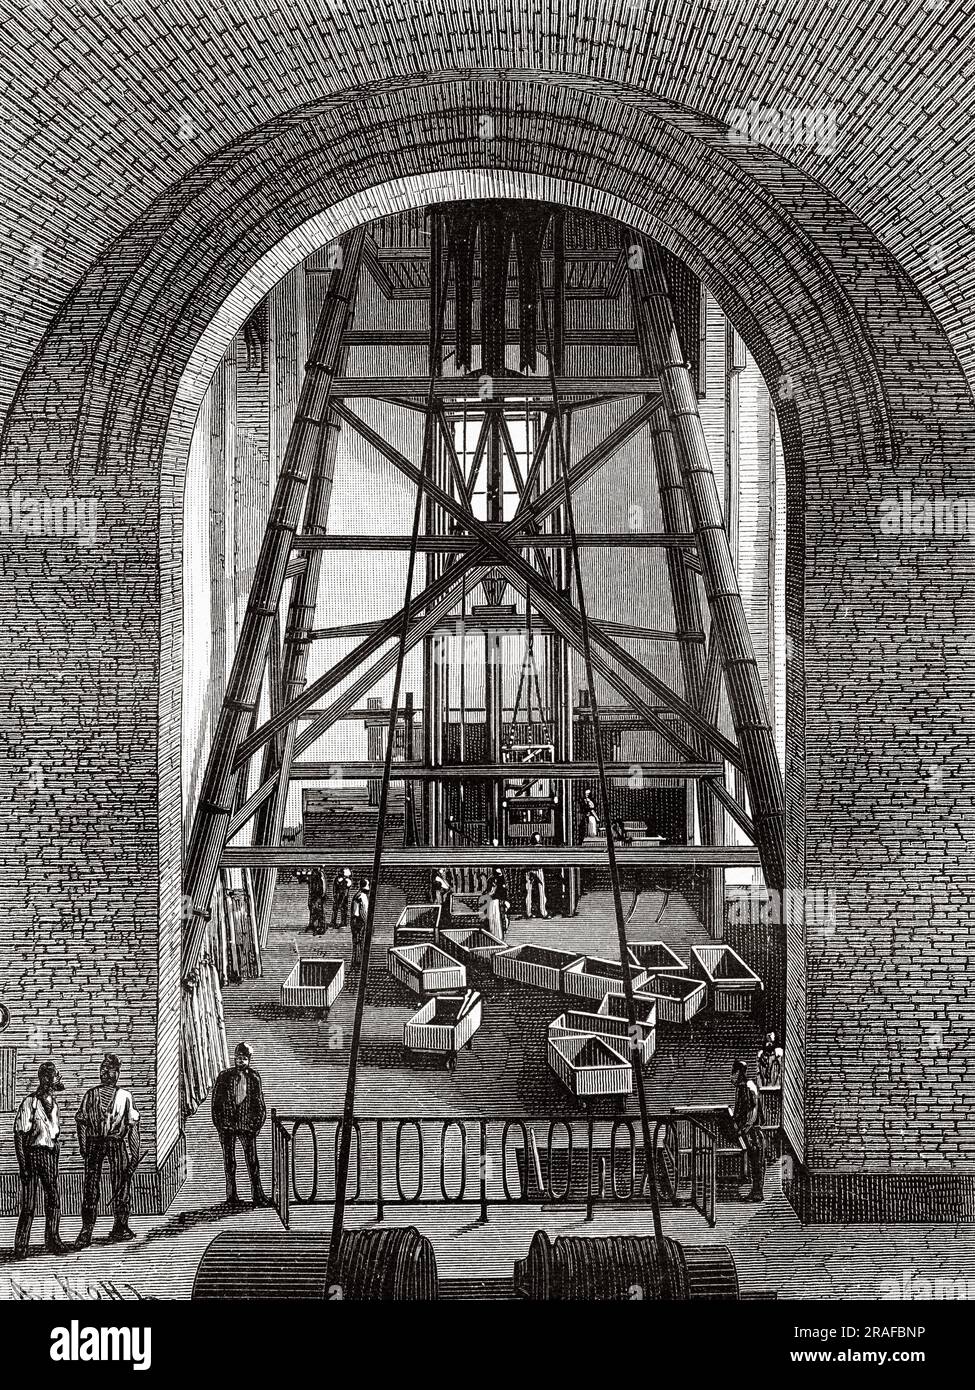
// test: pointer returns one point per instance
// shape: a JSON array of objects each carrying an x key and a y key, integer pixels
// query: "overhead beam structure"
[
  {"x": 417, "y": 337},
  {"x": 637, "y": 772},
  {"x": 459, "y": 544},
  {"x": 489, "y": 857},
  {"x": 484, "y": 389}
]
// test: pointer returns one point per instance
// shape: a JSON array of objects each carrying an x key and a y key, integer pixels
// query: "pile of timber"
[
  {"x": 231, "y": 952},
  {"x": 204, "y": 1037},
  {"x": 234, "y": 922}
]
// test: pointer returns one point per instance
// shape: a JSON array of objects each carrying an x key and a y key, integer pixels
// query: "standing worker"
[
  {"x": 746, "y": 1120},
  {"x": 359, "y": 909},
  {"x": 443, "y": 890},
  {"x": 341, "y": 899},
  {"x": 770, "y": 1063},
  {"x": 316, "y": 902},
  {"x": 239, "y": 1112},
  {"x": 590, "y": 817},
  {"x": 498, "y": 904},
  {"x": 108, "y": 1127},
  {"x": 535, "y": 881},
  {"x": 37, "y": 1141}
]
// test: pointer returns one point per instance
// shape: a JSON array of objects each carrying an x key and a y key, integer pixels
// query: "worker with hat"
[{"x": 341, "y": 899}]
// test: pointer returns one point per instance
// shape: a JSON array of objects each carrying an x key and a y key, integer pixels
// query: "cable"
[
  {"x": 650, "y": 1182},
  {"x": 348, "y": 1110}
]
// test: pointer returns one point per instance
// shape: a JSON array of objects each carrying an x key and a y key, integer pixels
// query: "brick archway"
[{"x": 105, "y": 410}]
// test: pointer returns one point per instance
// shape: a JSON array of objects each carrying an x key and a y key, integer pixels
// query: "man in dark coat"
[
  {"x": 342, "y": 891},
  {"x": 316, "y": 902},
  {"x": 358, "y": 916},
  {"x": 239, "y": 1112}
]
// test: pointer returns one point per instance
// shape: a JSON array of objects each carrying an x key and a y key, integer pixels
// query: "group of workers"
[
  {"x": 496, "y": 895},
  {"x": 350, "y": 905},
  {"x": 107, "y": 1123},
  {"x": 350, "y": 902}
]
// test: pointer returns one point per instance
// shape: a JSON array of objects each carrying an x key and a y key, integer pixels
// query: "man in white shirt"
[
  {"x": 108, "y": 1127},
  {"x": 37, "y": 1130}
]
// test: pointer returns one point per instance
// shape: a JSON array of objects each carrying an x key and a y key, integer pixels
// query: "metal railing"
[{"x": 573, "y": 1162}]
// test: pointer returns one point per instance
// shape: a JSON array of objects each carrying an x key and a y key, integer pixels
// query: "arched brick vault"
[{"x": 880, "y": 403}]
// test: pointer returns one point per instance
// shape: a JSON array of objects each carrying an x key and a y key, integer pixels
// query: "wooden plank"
[
  {"x": 417, "y": 337},
  {"x": 580, "y": 772},
  {"x": 603, "y": 540},
  {"x": 487, "y": 857},
  {"x": 470, "y": 388}
]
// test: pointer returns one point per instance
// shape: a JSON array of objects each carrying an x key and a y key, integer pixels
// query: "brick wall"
[{"x": 879, "y": 687}]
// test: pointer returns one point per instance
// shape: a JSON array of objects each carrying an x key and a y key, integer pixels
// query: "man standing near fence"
[
  {"x": 747, "y": 1120},
  {"x": 239, "y": 1113}
]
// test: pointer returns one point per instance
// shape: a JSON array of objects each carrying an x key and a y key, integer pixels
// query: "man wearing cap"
[
  {"x": 239, "y": 1112},
  {"x": 37, "y": 1132},
  {"x": 108, "y": 1127}
]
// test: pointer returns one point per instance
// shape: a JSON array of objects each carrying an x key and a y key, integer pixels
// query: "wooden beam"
[
  {"x": 613, "y": 714},
  {"x": 370, "y": 259},
  {"x": 292, "y": 670},
  {"x": 487, "y": 857},
  {"x": 459, "y": 544},
  {"x": 417, "y": 337},
  {"x": 470, "y": 388},
  {"x": 576, "y": 772},
  {"x": 715, "y": 787},
  {"x": 580, "y": 256},
  {"x": 742, "y": 681}
]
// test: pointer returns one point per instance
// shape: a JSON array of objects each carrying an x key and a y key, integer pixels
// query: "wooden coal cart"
[
  {"x": 314, "y": 983},
  {"x": 443, "y": 1025},
  {"x": 733, "y": 987},
  {"x": 425, "y": 969}
]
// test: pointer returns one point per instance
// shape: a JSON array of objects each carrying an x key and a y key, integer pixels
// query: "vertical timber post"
[{"x": 746, "y": 696}]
